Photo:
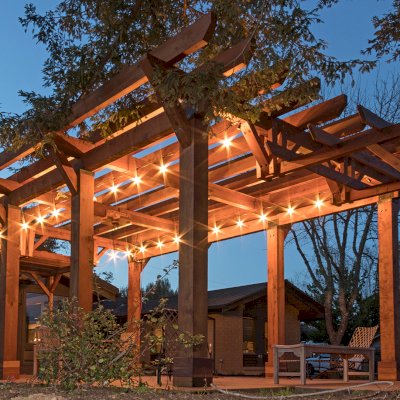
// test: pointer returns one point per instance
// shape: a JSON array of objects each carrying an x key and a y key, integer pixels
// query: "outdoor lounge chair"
[{"x": 362, "y": 337}]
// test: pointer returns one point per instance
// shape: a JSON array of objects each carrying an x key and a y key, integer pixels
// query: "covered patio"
[{"x": 165, "y": 182}]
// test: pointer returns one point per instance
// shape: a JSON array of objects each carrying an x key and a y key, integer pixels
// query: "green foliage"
[
  {"x": 89, "y": 41},
  {"x": 160, "y": 289},
  {"x": 81, "y": 349},
  {"x": 386, "y": 41}
]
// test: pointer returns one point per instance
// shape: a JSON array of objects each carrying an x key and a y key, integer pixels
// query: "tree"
[
  {"x": 89, "y": 41},
  {"x": 341, "y": 262},
  {"x": 159, "y": 289},
  {"x": 386, "y": 41}
]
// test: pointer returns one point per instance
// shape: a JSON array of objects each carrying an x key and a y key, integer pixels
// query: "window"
[
  {"x": 36, "y": 303},
  {"x": 249, "y": 335}
]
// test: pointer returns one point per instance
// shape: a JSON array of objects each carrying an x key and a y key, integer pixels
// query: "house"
[
  {"x": 33, "y": 302},
  {"x": 237, "y": 324}
]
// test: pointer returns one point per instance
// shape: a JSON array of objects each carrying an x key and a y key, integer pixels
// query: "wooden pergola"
[{"x": 182, "y": 195}]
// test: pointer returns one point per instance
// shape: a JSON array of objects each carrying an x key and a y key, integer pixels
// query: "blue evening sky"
[{"x": 239, "y": 261}]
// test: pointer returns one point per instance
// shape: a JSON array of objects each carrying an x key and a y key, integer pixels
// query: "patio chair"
[{"x": 363, "y": 337}]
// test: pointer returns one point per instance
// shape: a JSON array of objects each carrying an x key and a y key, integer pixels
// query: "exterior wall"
[
  {"x": 228, "y": 339},
  {"x": 25, "y": 346},
  {"x": 228, "y": 346},
  {"x": 292, "y": 324}
]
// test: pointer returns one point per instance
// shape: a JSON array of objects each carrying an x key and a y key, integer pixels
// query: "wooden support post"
[
  {"x": 82, "y": 219},
  {"x": 134, "y": 301},
  {"x": 135, "y": 269},
  {"x": 389, "y": 286},
  {"x": 275, "y": 292},
  {"x": 193, "y": 367},
  {"x": 9, "y": 294}
]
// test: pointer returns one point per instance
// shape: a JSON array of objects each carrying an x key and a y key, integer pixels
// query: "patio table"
[{"x": 304, "y": 350}]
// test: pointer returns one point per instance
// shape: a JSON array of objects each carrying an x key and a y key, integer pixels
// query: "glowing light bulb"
[
  {"x": 319, "y": 203},
  {"x": 142, "y": 249},
  {"x": 137, "y": 180},
  {"x": 55, "y": 213},
  {"x": 163, "y": 168},
  {"x": 290, "y": 210},
  {"x": 40, "y": 219},
  {"x": 227, "y": 142},
  {"x": 239, "y": 223},
  {"x": 25, "y": 225},
  {"x": 114, "y": 189},
  {"x": 128, "y": 253},
  {"x": 94, "y": 198},
  {"x": 113, "y": 255},
  {"x": 216, "y": 230},
  {"x": 263, "y": 217},
  {"x": 177, "y": 239},
  {"x": 160, "y": 244}
]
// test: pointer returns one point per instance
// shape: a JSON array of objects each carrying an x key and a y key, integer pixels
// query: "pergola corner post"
[
  {"x": 9, "y": 294},
  {"x": 82, "y": 245},
  {"x": 275, "y": 291},
  {"x": 193, "y": 367},
  {"x": 134, "y": 301},
  {"x": 389, "y": 286}
]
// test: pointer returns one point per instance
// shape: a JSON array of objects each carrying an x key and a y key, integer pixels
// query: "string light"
[
  {"x": 142, "y": 249},
  {"x": 239, "y": 223},
  {"x": 290, "y": 210},
  {"x": 128, "y": 253},
  {"x": 163, "y": 168},
  {"x": 25, "y": 225},
  {"x": 40, "y": 219},
  {"x": 114, "y": 189},
  {"x": 263, "y": 217},
  {"x": 56, "y": 212},
  {"x": 113, "y": 255},
  {"x": 227, "y": 142},
  {"x": 177, "y": 239},
  {"x": 94, "y": 198},
  {"x": 160, "y": 244},
  {"x": 319, "y": 203},
  {"x": 137, "y": 180},
  {"x": 216, "y": 229}
]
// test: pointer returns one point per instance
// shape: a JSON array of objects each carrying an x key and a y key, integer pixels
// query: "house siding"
[
  {"x": 292, "y": 325},
  {"x": 228, "y": 350}
]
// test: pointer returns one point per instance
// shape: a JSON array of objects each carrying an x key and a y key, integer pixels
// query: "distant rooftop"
[{"x": 224, "y": 299}]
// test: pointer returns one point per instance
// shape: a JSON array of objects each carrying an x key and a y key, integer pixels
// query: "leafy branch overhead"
[{"x": 89, "y": 41}]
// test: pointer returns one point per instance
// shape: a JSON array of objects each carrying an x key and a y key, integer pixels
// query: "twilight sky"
[{"x": 239, "y": 261}]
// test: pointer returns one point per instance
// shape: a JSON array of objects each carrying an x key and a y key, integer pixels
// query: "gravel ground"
[{"x": 38, "y": 392}]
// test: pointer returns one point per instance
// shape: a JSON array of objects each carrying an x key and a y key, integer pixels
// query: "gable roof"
[{"x": 224, "y": 299}]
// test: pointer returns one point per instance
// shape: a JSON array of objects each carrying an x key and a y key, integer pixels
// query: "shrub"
[{"x": 81, "y": 348}]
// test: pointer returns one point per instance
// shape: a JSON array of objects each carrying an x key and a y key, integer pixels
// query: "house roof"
[
  {"x": 225, "y": 297},
  {"x": 228, "y": 298}
]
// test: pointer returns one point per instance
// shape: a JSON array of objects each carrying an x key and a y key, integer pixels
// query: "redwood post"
[
  {"x": 389, "y": 366},
  {"x": 9, "y": 294},
  {"x": 193, "y": 367},
  {"x": 275, "y": 291},
  {"x": 82, "y": 246},
  {"x": 50, "y": 295},
  {"x": 134, "y": 293}
]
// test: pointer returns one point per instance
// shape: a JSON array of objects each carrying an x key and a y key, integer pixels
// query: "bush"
[{"x": 79, "y": 348}]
